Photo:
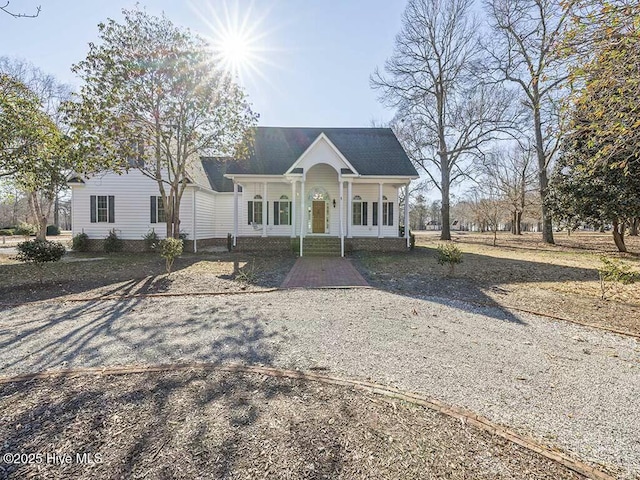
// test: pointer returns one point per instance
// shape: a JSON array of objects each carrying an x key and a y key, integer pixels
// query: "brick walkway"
[{"x": 316, "y": 272}]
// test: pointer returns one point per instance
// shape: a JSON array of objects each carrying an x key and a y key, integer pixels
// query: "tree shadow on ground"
[
  {"x": 128, "y": 331},
  {"x": 179, "y": 425},
  {"x": 202, "y": 423},
  {"x": 417, "y": 274},
  {"x": 139, "y": 274}
]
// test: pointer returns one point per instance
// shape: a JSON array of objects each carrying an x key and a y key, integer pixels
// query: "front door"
[{"x": 318, "y": 217}]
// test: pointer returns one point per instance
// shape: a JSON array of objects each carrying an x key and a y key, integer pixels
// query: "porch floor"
[{"x": 318, "y": 272}]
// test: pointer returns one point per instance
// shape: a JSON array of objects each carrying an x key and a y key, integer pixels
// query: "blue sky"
[{"x": 314, "y": 58}]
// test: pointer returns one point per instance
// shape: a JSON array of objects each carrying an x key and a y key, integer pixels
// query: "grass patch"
[{"x": 520, "y": 271}]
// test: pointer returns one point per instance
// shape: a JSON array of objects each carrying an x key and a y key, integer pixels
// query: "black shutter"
[
  {"x": 250, "y": 214},
  {"x": 93, "y": 207},
  {"x": 154, "y": 209},
  {"x": 375, "y": 214},
  {"x": 267, "y": 213},
  {"x": 112, "y": 209},
  {"x": 390, "y": 214},
  {"x": 365, "y": 213},
  {"x": 276, "y": 213},
  {"x": 290, "y": 210}
]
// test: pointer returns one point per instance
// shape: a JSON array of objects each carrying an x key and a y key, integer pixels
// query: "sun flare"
[
  {"x": 235, "y": 50},
  {"x": 237, "y": 37}
]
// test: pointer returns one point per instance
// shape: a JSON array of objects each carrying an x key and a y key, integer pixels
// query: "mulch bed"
[{"x": 208, "y": 424}]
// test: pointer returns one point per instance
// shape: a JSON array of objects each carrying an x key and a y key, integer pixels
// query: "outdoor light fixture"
[{"x": 334, "y": 203}]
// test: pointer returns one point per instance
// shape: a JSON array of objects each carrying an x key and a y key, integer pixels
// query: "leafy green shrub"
[
  {"x": 170, "y": 249},
  {"x": 6, "y": 232},
  {"x": 25, "y": 229},
  {"x": 151, "y": 241},
  {"x": 613, "y": 272},
  {"x": 80, "y": 243},
  {"x": 52, "y": 230},
  {"x": 449, "y": 254},
  {"x": 39, "y": 252},
  {"x": 112, "y": 243}
]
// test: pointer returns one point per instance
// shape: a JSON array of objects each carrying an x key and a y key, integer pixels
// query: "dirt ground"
[
  {"x": 560, "y": 280},
  {"x": 93, "y": 275},
  {"x": 203, "y": 424}
]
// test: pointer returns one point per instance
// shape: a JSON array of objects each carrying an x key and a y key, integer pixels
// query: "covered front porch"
[
  {"x": 322, "y": 194},
  {"x": 303, "y": 207}
]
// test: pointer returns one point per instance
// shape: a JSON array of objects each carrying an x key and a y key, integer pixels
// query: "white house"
[{"x": 317, "y": 190}]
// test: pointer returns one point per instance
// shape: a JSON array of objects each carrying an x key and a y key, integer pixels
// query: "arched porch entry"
[{"x": 318, "y": 210}]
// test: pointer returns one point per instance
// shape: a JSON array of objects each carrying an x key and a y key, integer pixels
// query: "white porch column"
[
  {"x": 341, "y": 218},
  {"x": 302, "y": 214},
  {"x": 406, "y": 214},
  {"x": 293, "y": 209},
  {"x": 193, "y": 221},
  {"x": 380, "y": 210},
  {"x": 235, "y": 213},
  {"x": 264, "y": 209},
  {"x": 349, "y": 209}
]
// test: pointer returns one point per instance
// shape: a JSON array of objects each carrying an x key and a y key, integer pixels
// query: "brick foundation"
[
  {"x": 133, "y": 246},
  {"x": 267, "y": 244},
  {"x": 264, "y": 244},
  {"x": 375, "y": 244}
]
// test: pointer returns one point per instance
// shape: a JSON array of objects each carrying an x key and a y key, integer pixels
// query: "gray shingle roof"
[{"x": 371, "y": 151}]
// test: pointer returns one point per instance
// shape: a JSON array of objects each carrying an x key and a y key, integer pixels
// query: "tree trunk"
[
  {"x": 519, "y": 223},
  {"x": 547, "y": 226},
  {"x": 56, "y": 211},
  {"x": 618, "y": 236},
  {"x": 38, "y": 214},
  {"x": 635, "y": 223},
  {"x": 445, "y": 234}
]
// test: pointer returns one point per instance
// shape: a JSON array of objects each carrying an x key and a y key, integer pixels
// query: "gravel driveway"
[{"x": 567, "y": 385}]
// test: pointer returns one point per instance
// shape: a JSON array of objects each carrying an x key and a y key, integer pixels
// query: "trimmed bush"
[
  {"x": 25, "y": 229},
  {"x": 53, "y": 230},
  {"x": 170, "y": 249},
  {"x": 80, "y": 243},
  {"x": 39, "y": 252},
  {"x": 6, "y": 233},
  {"x": 112, "y": 243},
  {"x": 151, "y": 241},
  {"x": 449, "y": 254}
]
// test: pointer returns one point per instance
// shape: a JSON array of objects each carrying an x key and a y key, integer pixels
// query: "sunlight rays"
[{"x": 238, "y": 38}]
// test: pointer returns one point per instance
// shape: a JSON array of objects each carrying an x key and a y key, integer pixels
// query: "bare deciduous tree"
[
  {"x": 512, "y": 173},
  {"x": 487, "y": 206},
  {"x": 445, "y": 114},
  {"x": 522, "y": 53}
]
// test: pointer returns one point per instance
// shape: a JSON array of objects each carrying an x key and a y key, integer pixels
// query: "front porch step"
[{"x": 321, "y": 246}]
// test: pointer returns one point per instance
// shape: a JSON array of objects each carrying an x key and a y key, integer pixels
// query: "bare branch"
[{"x": 5, "y": 9}]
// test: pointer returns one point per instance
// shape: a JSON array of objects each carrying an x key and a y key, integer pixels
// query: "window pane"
[
  {"x": 257, "y": 212},
  {"x": 357, "y": 213},
  {"x": 283, "y": 210},
  {"x": 161, "y": 215},
  {"x": 102, "y": 208}
]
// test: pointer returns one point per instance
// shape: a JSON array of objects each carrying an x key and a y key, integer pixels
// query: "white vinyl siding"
[{"x": 131, "y": 192}]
